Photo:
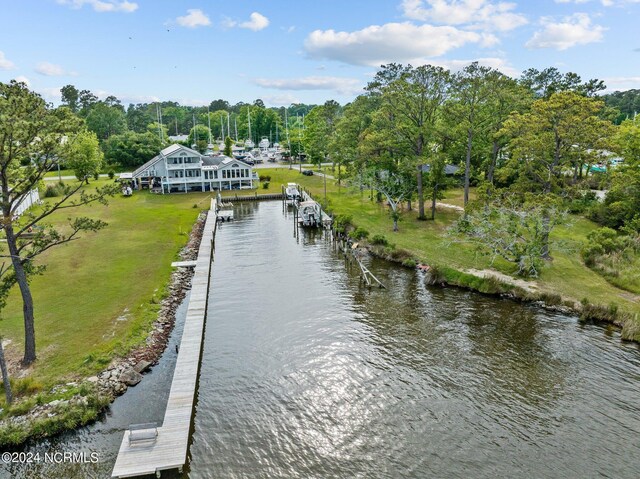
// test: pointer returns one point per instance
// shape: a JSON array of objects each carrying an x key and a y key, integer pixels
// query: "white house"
[{"x": 181, "y": 169}]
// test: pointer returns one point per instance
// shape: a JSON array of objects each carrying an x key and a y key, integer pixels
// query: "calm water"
[{"x": 306, "y": 374}]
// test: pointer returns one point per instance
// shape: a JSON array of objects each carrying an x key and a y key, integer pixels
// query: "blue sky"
[{"x": 284, "y": 51}]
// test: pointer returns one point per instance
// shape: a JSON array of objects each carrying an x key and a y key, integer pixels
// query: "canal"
[{"x": 306, "y": 374}]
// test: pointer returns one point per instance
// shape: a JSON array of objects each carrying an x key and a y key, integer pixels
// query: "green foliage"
[
  {"x": 111, "y": 173},
  {"x": 265, "y": 178},
  {"x": 513, "y": 231},
  {"x": 265, "y": 185},
  {"x": 105, "y": 120},
  {"x": 51, "y": 191},
  {"x": 83, "y": 155},
  {"x": 409, "y": 263},
  {"x": 359, "y": 234},
  {"x": 379, "y": 240},
  {"x": 131, "y": 149},
  {"x": 228, "y": 147},
  {"x": 341, "y": 223}
]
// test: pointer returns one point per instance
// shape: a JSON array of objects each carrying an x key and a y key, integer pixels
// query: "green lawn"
[{"x": 95, "y": 299}]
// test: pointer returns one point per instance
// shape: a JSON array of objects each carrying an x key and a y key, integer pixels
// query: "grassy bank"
[{"x": 100, "y": 293}]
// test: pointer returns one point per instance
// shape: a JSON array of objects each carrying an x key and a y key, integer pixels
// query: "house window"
[{"x": 215, "y": 174}]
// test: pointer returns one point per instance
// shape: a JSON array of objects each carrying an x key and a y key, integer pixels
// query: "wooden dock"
[
  {"x": 167, "y": 448},
  {"x": 256, "y": 197}
]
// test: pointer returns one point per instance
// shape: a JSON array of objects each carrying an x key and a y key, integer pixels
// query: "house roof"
[{"x": 163, "y": 154}]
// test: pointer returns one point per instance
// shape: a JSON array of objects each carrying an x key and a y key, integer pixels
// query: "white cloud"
[
  {"x": 482, "y": 14},
  {"x": 103, "y": 5},
  {"x": 621, "y": 83},
  {"x": 23, "y": 79},
  {"x": 193, "y": 19},
  {"x": 346, "y": 86},
  {"x": 280, "y": 100},
  {"x": 256, "y": 22},
  {"x": 392, "y": 42},
  {"x": 52, "y": 70},
  {"x": 571, "y": 31},
  {"x": 51, "y": 94},
  {"x": 605, "y": 3},
  {"x": 5, "y": 63}
]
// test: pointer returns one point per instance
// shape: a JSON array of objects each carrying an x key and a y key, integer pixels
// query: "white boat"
[
  {"x": 309, "y": 213},
  {"x": 292, "y": 193},
  {"x": 264, "y": 144}
]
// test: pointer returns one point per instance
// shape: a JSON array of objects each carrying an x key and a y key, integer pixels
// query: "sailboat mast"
[
  {"x": 209, "y": 123},
  {"x": 228, "y": 127},
  {"x": 249, "y": 115}
]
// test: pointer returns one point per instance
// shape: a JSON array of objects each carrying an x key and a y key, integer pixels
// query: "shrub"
[
  {"x": 409, "y": 263},
  {"x": 51, "y": 191},
  {"x": 359, "y": 233},
  {"x": 341, "y": 223},
  {"x": 265, "y": 178},
  {"x": 380, "y": 240},
  {"x": 265, "y": 185},
  {"x": 111, "y": 174},
  {"x": 96, "y": 176}
]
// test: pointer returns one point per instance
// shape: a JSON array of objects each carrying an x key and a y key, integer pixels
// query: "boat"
[
  {"x": 292, "y": 193},
  {"x": 264, "y": 144},
  {"x": 309, "y": 213}
]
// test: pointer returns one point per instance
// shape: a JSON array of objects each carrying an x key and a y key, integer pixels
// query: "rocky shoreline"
[
  {"x": 121, "y": 372},
  {"x": 125, "y": 372}
]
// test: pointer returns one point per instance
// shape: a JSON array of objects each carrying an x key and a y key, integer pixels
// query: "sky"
[{"x": 310, "y": 51}]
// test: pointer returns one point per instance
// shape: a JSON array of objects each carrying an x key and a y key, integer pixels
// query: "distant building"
[{"x": 181, "y": 169}]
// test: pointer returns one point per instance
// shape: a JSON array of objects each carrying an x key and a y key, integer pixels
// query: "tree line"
[{"x": 529, "y": 144}]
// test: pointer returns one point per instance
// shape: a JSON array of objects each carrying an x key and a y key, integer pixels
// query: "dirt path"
[{"x": 529, "y": 286}]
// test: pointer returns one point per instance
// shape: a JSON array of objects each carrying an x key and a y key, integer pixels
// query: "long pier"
[{"x": 151, "y": 450}]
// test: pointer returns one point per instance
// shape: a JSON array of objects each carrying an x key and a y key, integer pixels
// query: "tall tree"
[
  {"x": 70, "y": 97},
  {"x": 131, "y": 149},
  {"x": 410, "y": 103},
  {"x": 471, "y": 94},
  {"x": 33, "y": 133},
  {"x": 545, "y": 141},
  {"x": 83, "y": 155},
  {"x": 106, "y": 120}
]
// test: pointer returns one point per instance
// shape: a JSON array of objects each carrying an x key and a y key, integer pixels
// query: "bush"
[
  {"x": 341, "y": 223},
  {"x": 51, "y": 191},
  {"x": 265, "y": 185},
  {"x": 96, "y": 176},
  {"x": 111, "y": 174},
  {"x": 409, "y": 263},
  {"x": 379, "y": 240},
  {"x": 359, "y": 233},
  {"x": 265, "y": 178}
]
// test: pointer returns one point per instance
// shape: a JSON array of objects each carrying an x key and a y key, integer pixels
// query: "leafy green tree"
[
  {"x": 410, "y": 107},
  {"x": 470, "y": 107},
  {"x": 199, "y": 136},
  {"x": 70, "y": 97},
  {"x": 105, "y": 120},
  {"x": 320, "y": 126},
  {"x": 344, "y": 147},
  {"x": 83, "y": 155},
  {"x": 545, "y": 141},
  {"x": 30, "y": 130},
  {"x": 131, "y": 149},
  {"x": 228, "y": 147},
  {"x": 545, "y": 83}
]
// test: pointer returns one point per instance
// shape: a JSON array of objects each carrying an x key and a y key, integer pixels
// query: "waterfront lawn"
[{"x": 100, "y": 293}]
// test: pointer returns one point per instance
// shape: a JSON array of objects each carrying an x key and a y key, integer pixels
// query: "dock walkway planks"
[{"x": 169, "y": 450}]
